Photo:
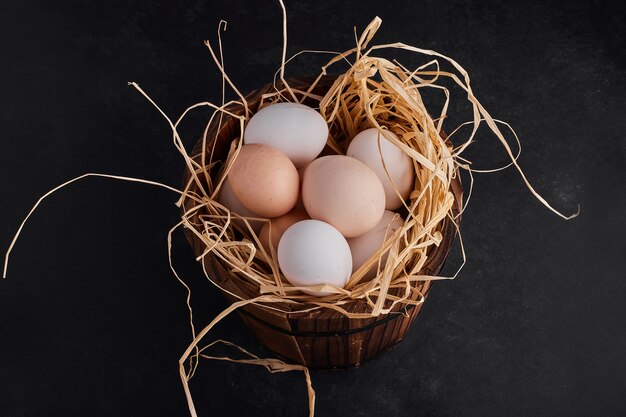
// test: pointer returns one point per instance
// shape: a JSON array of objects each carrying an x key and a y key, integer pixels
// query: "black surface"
[{"x": 92, "y": 321}]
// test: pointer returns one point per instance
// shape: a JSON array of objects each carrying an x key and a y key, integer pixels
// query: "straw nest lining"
[{"x": 374, "y": 92}]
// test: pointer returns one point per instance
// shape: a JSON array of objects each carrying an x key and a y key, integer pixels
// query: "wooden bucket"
[{"x": 322, "y": 338}]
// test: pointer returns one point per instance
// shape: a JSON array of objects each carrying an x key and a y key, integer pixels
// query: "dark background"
[{"x": 92, "y": 321}]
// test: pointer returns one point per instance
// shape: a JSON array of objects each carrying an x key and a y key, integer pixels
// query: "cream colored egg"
[
  {"x": 365, "y": 246},
  {"x": 364, "y": 147},
  {"x": 312, "y": 252},
  {"x": 343, "y": 192},
  {"x": 264, "y": 180},
  {"x": 277, "y": 226},
  {"x": 296, "y": 130},
  {"x": 228, "y": 199}
]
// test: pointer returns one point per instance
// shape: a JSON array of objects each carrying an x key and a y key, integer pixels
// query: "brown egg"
[
  {"x": 278, "y": 227},
  {"x": 264, "y": 180},
  {"x": 345, "y": 193},
  {"x": 365, "y": 246},
  {"x": 228, "y": 198}
]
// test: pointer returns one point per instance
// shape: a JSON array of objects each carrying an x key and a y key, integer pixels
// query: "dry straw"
[{"x": 373, "y": 92}]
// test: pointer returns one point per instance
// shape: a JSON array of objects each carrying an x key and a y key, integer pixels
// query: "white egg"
[
  {"x": 365, "y": 246},
  {"x": 296, "y": 130},
  {"x": 228, "y": 199},
  {"x": 364, "y": 147},
  {"x": 312, "y": 252}
]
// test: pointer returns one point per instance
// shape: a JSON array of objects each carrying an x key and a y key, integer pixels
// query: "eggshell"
[
  {"x": 296, "y": 130},
  {"x": 264, "y": 180},
  {"x": 364, "y": 246},
  {"x": 312, "y": 252},
  {"x": 364, "y": 147},
  {"x": 228, "y": 199},
  {"x": 343, "y": 192},
  {"x": 278, "y": 226}
]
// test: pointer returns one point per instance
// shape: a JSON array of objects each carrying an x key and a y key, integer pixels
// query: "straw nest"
[{"x": 373, "y": 92}]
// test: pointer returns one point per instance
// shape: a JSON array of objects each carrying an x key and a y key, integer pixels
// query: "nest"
[{"x": 374, "y": 92}]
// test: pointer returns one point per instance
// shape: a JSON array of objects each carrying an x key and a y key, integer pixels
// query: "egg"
[
  {"x": 364, "y": 147},
  {"x": 264, "y": 180},
  {"x": 365, "y": 246},
  {"x": 312, "y": 252},
  {"x": 343, "y": 192},
  {"x": 228, "y": 199},
  {"x": 277, "y": 226},
  {"x": 294, "y": 129}
]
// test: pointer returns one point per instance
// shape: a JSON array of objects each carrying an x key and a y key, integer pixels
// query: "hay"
[{"x": 374, "y": 92}]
